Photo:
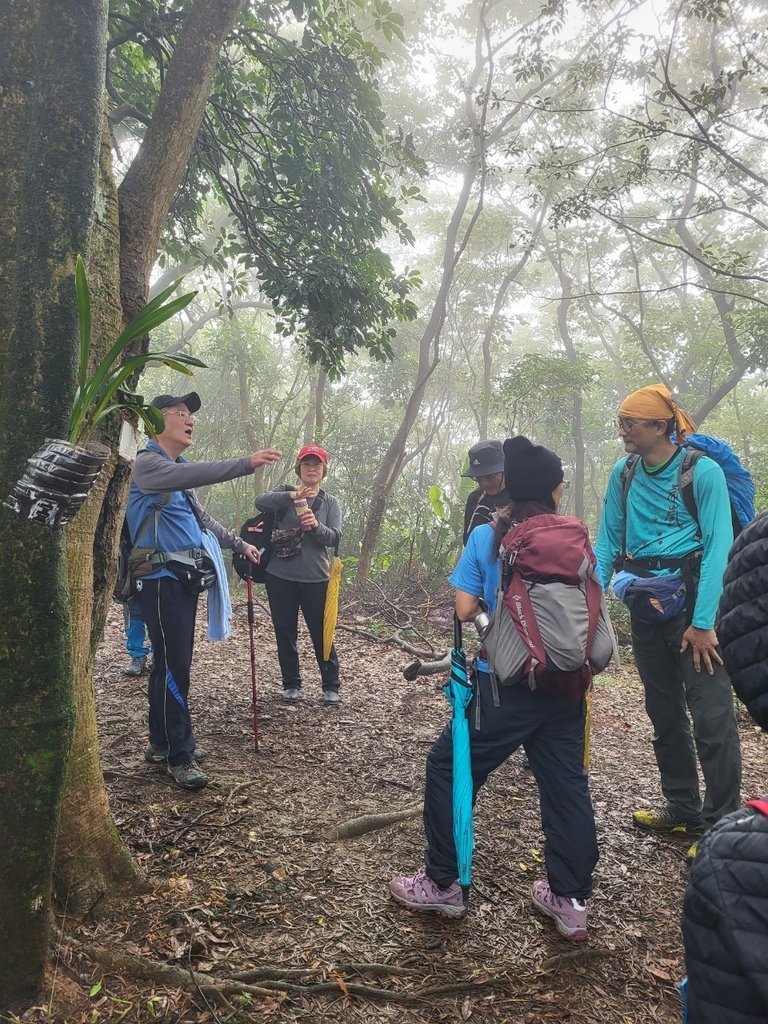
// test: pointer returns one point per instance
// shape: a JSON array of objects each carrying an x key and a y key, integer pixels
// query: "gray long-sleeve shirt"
[
  {"x": 311, "y": 565},
  {"x": 155, "y": 472}
]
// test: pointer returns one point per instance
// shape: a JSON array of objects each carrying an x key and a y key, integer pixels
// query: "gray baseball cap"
[
  {"x": 485, "y": 458},
  {"x": 192, "y": 401}
]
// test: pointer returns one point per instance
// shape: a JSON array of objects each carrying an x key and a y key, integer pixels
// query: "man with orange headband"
[{"x": 669, "y": 573}]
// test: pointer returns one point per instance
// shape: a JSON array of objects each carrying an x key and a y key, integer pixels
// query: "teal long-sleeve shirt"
[{"x": 658, "y": 525}]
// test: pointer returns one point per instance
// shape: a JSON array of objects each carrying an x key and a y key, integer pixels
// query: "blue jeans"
[{"x": 136, "y": 642}]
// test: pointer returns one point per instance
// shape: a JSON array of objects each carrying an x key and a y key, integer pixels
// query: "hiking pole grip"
[{"x": 457, "y": 637}]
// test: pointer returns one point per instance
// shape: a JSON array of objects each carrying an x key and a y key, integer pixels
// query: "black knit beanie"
[{"x": 531, "y": 471}]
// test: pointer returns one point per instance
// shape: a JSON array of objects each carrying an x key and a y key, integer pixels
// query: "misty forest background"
[{"x": 584, "y": 207}]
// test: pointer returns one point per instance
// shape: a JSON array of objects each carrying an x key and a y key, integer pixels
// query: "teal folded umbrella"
[{"x": 459, "y": 693}]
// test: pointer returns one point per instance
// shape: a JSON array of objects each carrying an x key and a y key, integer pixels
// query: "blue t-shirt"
[{"x": 478, "y": 572}]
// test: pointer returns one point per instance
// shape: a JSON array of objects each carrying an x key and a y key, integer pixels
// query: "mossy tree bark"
[
  {"x": 52, "y": 55},
  {"x": 91, "y": 860}
]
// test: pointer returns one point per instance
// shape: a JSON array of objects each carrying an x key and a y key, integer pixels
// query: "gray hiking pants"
[{"x": 671, "y": 685}]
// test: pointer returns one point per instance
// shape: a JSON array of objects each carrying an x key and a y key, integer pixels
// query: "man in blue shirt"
[
  {"x": 161, "y": 497},
  {"x": 650, "y": 533}
]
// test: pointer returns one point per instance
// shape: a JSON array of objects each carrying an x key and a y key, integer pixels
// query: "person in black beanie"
[
  {"x": 501, "y": 718},
  {"x": 532, "y": 473},
  {"x": 725, "y": 912}
]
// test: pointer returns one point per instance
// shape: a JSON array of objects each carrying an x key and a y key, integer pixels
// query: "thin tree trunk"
[
  {"x": 563, "y": 311},
  {"x": 152, "y": 180},
  {"x": 429, "y": 345},
  {"x": 53, "y": 60}
]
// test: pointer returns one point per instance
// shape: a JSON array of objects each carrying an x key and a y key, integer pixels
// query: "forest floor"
[{"x": 243, "y": 876}]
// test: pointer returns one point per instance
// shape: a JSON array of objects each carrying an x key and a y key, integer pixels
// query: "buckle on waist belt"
[
  {"x": 644, "y": 565},
  {"x": 192, "y": 556}
]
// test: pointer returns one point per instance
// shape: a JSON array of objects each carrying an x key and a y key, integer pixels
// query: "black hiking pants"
[
  {"x": 286, "y": 597},
  {"x": 672, "y": 685},
  {"x": 169, "y": 612},
  {"x": 553, "y": 732}
]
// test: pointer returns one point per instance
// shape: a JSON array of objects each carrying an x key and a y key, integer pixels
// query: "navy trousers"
[
  {"x": 286, "y": 597},
  {"x": 169, "y": 612},
  {"x": 553, "y": 733}
]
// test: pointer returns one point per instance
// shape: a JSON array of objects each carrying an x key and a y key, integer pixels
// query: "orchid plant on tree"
[{"x": 105, "y": 389}]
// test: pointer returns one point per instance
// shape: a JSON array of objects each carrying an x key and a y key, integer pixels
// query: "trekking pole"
[{"x": 249, "y": 584}]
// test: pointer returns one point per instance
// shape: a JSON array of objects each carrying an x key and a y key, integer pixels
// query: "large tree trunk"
[
  {"x": 91, "y": 859},
  {"x": 52, "y": 55}
]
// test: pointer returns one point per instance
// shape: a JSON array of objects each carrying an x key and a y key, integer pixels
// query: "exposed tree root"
[
  {"x": 219, "y": 989},
  {"x": 354, "y": 827}
]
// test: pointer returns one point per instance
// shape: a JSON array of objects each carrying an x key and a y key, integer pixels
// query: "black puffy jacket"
[
  {"x": 743, "y": 620},
  {"x": 725, "y": 923}
]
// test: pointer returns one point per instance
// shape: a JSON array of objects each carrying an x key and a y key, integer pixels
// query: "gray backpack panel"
[{"x": 562, "y": 616}]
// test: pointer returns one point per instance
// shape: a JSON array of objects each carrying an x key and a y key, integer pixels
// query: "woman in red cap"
[{"x": 307, "y": 524}]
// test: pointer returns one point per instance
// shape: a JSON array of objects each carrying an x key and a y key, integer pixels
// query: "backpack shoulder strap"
[
  {"x": 627, "y": 474},
  {"x": 685, "y": 480},
  {"x": 626, "y": 477},
  {"x": 153, "y": 513}
]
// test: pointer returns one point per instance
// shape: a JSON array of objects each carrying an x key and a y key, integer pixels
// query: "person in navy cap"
[
  {"x": 486, "y": 466},
  {"x": 174, "y": 530}
]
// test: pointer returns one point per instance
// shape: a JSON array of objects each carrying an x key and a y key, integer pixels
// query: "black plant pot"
[{"x": 56, "y": 482}]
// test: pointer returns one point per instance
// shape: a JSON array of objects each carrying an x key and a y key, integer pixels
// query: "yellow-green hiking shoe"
[{"x": 662, "y": 819}]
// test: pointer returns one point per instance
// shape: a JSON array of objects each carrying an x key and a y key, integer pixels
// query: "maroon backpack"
[{"x": 554, "y": 600}]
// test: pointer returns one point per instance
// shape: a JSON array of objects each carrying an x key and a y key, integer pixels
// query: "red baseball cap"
[{"x": 313, "y": 449}]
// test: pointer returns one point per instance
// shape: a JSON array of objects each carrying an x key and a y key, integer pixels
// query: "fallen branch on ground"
[
  {"x": 354, "y": 827},
  {"x": 427, "y": 668}
]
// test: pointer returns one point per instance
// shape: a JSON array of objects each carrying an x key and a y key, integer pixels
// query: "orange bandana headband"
[{"x": 655, "y": 402}]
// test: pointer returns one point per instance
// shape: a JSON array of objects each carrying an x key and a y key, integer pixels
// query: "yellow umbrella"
[{"x": 331, "y": 610}]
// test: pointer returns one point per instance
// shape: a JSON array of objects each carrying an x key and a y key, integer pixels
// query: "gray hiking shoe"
[
  {"x": 135, "y": 667},
  {"x": 291, "y": 694},
  {"x": 159, "y": 755},
  {"x": 188, "y": 776},
  {"x": 331, "y": 697}
]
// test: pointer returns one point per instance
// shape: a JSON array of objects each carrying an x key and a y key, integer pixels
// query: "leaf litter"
[{"x": 246, "y": 887}]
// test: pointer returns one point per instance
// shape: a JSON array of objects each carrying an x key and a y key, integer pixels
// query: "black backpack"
[
  {"x": 124, "y": 590},
  {"x": 256, "y": 531}
]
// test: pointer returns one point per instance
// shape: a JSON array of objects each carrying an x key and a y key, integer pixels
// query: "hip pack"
[{"x": 549, "y": 609}]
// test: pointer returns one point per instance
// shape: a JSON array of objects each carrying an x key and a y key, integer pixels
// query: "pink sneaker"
[
  {"x": 419, "y": 892},
  {"x": 569, "y": 915}
]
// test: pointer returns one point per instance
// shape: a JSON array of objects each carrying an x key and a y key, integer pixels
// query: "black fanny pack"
[{"x": 195, "y": 571}]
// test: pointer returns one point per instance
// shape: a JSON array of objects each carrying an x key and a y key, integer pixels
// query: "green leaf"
[
  {"x": 152, "y": 418},
  {"x": 95, "y": 989},
  {"x": 435, "y": 496}
]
